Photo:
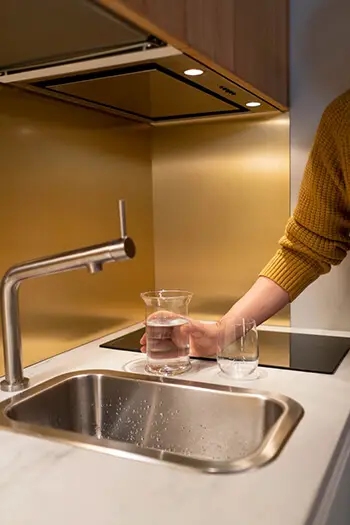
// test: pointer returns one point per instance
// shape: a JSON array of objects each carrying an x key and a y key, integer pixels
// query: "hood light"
[
  {"x": 194, "y": 72},
  {"x": 253, "y": 104}
]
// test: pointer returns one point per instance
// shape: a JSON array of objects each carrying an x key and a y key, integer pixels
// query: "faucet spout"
[{"x": 91, "y": 257}]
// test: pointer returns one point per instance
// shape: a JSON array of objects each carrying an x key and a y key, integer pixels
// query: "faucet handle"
[{"x": 122, "y": 218}]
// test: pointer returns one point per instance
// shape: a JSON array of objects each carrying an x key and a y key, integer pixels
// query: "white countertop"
[{"x": 48, "y": 482}]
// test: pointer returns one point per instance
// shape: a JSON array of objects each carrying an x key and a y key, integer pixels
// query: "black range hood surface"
[
  {"x": 152, "y": 91},
  {"x": 303, "y": 352}
]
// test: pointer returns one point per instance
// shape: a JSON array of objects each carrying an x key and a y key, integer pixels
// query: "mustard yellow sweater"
[{"x": 317, "y": 235}]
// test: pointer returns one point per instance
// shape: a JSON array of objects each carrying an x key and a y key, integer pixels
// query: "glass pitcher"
[{"x": 167, "y": 333}]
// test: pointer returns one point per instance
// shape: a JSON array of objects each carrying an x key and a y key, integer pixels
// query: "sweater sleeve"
[{"x": 317, "y": 235}]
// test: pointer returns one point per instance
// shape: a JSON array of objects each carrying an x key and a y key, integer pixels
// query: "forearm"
[{"x": 261, "y": 302}]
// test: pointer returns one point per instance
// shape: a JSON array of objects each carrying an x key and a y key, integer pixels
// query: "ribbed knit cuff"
[{"x": 290, "y": 271}]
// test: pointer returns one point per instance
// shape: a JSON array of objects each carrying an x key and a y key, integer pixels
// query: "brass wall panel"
[
  {"x": 221, "y": 201},
  {"x": 63, "y": 168}
]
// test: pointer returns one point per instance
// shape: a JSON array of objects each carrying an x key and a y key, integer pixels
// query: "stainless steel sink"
[{"x": 203, "y": 426}]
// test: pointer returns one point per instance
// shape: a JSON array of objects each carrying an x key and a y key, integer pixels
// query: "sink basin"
[{"x": 208, "y": 427}]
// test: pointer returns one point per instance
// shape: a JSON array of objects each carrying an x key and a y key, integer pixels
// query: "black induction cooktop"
[{"x": 308, "y": 353}]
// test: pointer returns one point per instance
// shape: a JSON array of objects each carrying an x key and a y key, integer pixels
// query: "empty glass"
[
  {"x": 167, "y": 334},
  {"x": 238, "y": 348}
]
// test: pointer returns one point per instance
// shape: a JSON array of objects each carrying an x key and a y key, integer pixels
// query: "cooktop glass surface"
[{"x": 309, "y": 353}]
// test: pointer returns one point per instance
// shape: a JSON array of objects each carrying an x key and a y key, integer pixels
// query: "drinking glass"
[
  {"x": 167, "y": 334},
  {"x": 238, "y": 348}
]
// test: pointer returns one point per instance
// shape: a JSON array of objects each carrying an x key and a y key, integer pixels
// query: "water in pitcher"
[{"x": 168, "y": 345}]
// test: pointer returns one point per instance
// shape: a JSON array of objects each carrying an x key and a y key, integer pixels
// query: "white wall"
[{"x": 320, "y": 70}]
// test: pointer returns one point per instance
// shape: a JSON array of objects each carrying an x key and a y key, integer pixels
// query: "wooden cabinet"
[{"x": 245, "y": 39}]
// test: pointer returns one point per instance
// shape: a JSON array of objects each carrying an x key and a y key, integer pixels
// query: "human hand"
[
  {"x": 167, "y": 334},
  {"x": 203, "y": 336}
]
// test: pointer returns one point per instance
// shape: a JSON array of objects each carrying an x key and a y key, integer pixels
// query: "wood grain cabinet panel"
[
  {"x": 168, "y": 15},
  {"x": 261, "y": 45},
  {"x": 246, "y": 39}
]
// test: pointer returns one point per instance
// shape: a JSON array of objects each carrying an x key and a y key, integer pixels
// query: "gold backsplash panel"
[
  {"x": 63, "y": 169},
  {"x": 221, "y": 201}
]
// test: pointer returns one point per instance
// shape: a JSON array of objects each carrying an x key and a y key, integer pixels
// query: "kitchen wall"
[
  {"x": 63, "y": 169},
  {"x": 320, "y": 50},
  {"x": 221, "y": 201}
]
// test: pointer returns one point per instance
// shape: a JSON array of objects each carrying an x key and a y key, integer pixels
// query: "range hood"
[{"x": 78, "y": 51}]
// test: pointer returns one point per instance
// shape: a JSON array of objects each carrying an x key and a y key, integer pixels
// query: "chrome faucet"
[{"x": 90, "y": 257}]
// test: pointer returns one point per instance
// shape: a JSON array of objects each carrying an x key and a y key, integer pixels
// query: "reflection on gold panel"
[
  {"x": 63, "y": 169},
  {"x": 221, "y": 201},
  {"x": 275, "y": 348}
]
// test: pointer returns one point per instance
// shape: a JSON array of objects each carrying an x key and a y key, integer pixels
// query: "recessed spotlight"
[
  {"x": 194, "y": 72},
  {"x": 253, "y": 104}
]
